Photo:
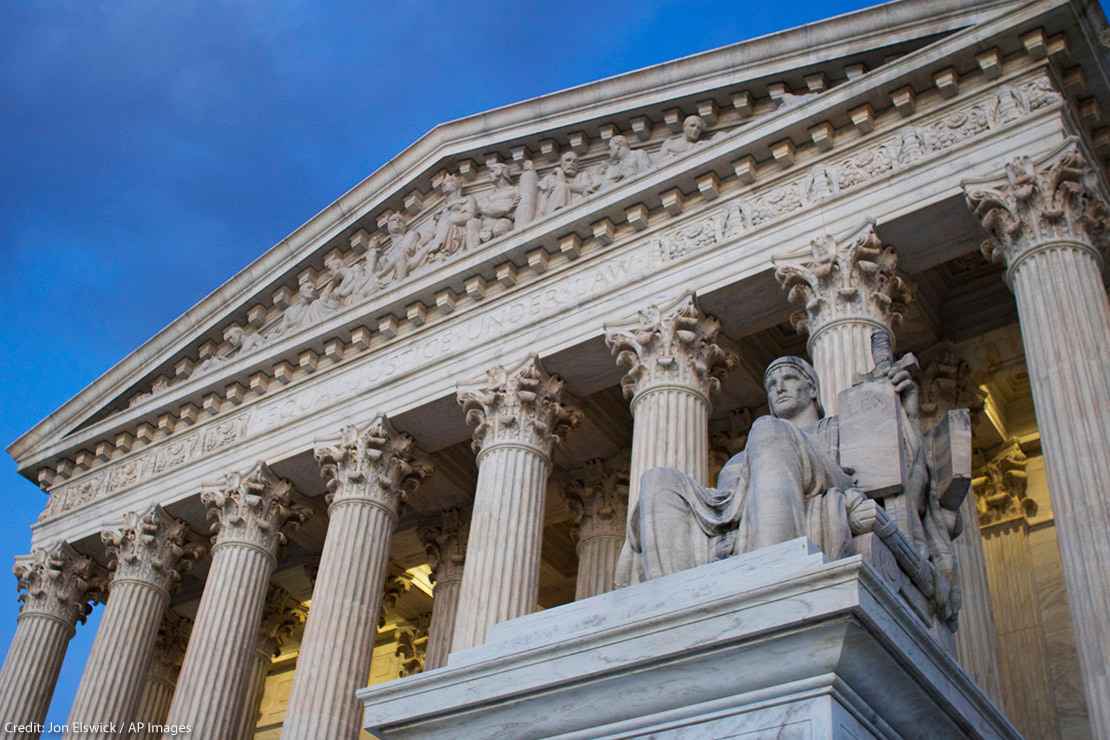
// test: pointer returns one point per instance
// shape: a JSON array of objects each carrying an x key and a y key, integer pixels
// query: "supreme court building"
[{"x": 428, "y": 410}]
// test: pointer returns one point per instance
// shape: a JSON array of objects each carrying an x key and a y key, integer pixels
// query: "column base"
[{"x": 776, "y": 643}]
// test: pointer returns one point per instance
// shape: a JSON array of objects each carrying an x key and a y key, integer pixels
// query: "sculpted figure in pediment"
[
  {"x": 311, "y": 306},
  {"x": 458, "y": 226},
  {"x": 238, "y": 342},
  {"x": 351, "y": 282},
  {"x": 499, "y": 204},
  {"x": 566, "y": 185},
  {"x": 624, "y": 161},
  {"x": 692, "y": 136},
  {"x": 408, "y": 248}
]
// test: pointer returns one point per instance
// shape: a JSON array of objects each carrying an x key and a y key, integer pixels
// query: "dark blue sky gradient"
[{"x": 151, "y": 150}]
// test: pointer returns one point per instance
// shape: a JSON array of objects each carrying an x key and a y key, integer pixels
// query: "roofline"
[{"x": 641, "y": 87}]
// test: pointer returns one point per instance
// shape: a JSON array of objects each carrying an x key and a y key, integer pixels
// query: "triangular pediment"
[{"x": 459, "y": 212}]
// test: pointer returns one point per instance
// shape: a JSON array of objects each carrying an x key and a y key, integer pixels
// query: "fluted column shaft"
[
  {"x": 445, "y": 608},
  {"x": 1065, "y": 327},
  {"x": 31, "y": 669},
  {"x": 597, "y": 562},
  {"x": 112, "y": 685},
  {"x": 445, "y": 542},
  {"x": 841, "y": 351},
  {"x": 250, "y": 512},
  {"x": 977, "y": 636},
  {"x": 155, "y": 705},
  {"x": 674, "y": 365},
  {"x": 346, "y": 602},
  {"x": 217, "y": 670},
  {"x": 256, "y": 687},
  {"x": 368, "y": 473},
  {"x": 146, "y": 555},
  {"x": 506, "y": 531},
  {"x": 1026, "y": 695},
  {"x": 518, "y": 416},
  {"x": 1048, "y": 224},
  {"x": 55, "y": 587},
  {"x": 670, "y": 429}
]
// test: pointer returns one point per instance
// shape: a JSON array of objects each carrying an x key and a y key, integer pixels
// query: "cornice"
[{"x": 778, "y": 53}]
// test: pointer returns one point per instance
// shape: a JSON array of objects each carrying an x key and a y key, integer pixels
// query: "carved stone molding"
[
  {"x": 153, "y": 547},
  {"x": 1000, "y": 488},
  {"x": 281, "y": 616},
  {"x": 673, "y": 344},
  {"x": 946, "y": 383},
  {"x": 395, "y": 587},
  {"x": 1051, "y": 201},
  {"x": 597, "y": 495},
  {"x": 519, "y": 405},
  {"x": 253, "y": 509},
  {"x": 374, "y": 464},
  {"x": 58, "y": 582},
  {"x": 445, "y": 543},
  {"x": 852, "y": 279}
]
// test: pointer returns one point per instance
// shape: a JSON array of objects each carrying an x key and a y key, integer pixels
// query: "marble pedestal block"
[{"x": 772, "y": 644}]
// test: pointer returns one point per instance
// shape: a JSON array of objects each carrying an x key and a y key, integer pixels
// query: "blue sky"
[{"x": 151, "y": 150}]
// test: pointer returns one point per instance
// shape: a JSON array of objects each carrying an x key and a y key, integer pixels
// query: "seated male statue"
[{"x": 787, "y": 483}]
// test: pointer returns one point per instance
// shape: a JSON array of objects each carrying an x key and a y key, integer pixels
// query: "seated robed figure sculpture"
[{"x": 787, "y": 483}]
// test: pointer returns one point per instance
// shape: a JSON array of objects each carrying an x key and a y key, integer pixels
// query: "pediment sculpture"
[
  {"x": 793, "y": 479},
  {"x": 466, "y": 217}
]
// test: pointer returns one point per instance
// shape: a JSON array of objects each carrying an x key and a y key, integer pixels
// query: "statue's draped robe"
[{"x": 785, "y": 484}]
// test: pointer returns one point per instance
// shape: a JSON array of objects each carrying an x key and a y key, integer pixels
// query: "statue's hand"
[
  {"x": 862, "y": 511},
  {"x": 906, "y": 387}
]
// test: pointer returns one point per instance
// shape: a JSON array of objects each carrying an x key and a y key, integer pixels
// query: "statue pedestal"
[{"x": 772, "y": 644}]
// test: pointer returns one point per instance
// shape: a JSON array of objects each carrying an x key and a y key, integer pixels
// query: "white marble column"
[
  {"x": 597, "y": 494},
  {"x": 1001, "y": 497},
  {"x": 55, "y": 587},
  {"x": 161, "y": 676},
  {"x": 445, "y": 542},
  {"x": 1047, "y": 221},
  {"x": 280, "y": 618},
  {"x": 250, "y": 512},
  {"x": 850, "y": 289},
  {"x": 674, "y": 366},
  {"x": 146, "y": 557},
  {"x": 368, "y": 473},
  {"x": 518, "y": 416},
  {"x": 946, "y": 384}
]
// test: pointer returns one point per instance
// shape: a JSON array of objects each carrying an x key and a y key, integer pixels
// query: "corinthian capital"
[
  {"x": 672, "y": 344},
  {"x": 946, "y": 384},
  {"x": 152, "y": 547},
  {"x": 597, "y": 495},
  {"x": 445, "y": 542},
  {"x": 1000, "y": 488},
  {"x": 281, "y": 615},
  {"x": 852, "y": 279},
  {"x": 1039, "y": 202},
  {"x": 520, "y": 404},
  {"x": 253, "y": 509},
  {"x": 57, "y": 582},
  {"x": 376, "y": 464}
]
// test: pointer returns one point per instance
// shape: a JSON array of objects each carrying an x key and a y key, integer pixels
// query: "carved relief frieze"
[
  {"x": 838, "y": 176},
  {"x": 140, "y": 466},
  {"x": 726, "y": 221}
]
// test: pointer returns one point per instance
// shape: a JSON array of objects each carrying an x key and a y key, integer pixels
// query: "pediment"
[{"x": 457, "y": 215}]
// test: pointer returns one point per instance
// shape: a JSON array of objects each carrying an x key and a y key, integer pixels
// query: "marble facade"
[{"x": 427, "y": 411}]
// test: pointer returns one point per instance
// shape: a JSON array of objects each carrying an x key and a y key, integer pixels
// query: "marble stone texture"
[{"x": 776, "y": 643}]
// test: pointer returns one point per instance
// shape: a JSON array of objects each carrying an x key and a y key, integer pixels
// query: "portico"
[{"x": 414, "y": 455}]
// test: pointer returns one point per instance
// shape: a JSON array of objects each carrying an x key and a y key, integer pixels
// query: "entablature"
[{"x": 784, "y": 133}]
